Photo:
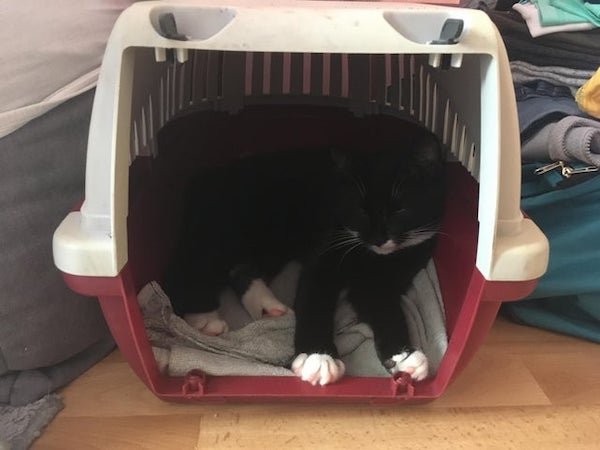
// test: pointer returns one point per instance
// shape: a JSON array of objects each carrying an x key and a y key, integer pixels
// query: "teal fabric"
[
  {"x": 579, "y": 8},
  {"x": 567, "y": 297},
  {"x": 570, "y": 218},
  {"x": 561, "y": 12},
  {"x": 552, "y": 13},
  {"x": 576, "y": 315}
]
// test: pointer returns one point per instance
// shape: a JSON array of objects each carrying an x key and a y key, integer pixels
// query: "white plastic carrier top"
[{"x": 93, "y": 241}]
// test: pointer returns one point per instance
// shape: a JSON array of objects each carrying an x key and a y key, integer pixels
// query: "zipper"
[{"x": 565, "y": 170}]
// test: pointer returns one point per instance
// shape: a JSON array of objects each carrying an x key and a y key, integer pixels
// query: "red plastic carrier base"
[{"x": 471, "y": 302}]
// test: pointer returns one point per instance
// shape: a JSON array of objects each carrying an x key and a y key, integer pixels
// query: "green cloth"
[
  {"x": 551, "y": 14},
  {"x": 561, "y": 12}
]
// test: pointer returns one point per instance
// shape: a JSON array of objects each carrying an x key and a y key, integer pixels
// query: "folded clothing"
[
  {"x": 523, "y": 72},
  {"x": 266, "y": 346},
  {"x": 20, "y": 425},
  {"x": 531, "y": 15},
  {"x": 537, "y": 112},
  {"x": 577, "y": 50},
  {"x": 572, "y": 138},
  {"x": 555, "y": 12}
]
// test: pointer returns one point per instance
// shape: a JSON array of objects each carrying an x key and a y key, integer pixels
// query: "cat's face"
[{"x": 390, "y": 200}]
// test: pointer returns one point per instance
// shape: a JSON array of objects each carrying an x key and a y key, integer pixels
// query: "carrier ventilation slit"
[
  {"x": 421, "y": 94},
  {"x": 136, "y": 143},
  {"x": 144, "y": 131},
  {"x": 173, "y": 87},
  {"x": 286, "y": 73},
  {"x": 446, "y": 126},
  {"x": 151, "y": 134},
  {"x": 326, "y": 74},
  {"x": 345, "y": 76},
  {"x": 428, "y": 105},
  {"x": 412, "y": 81},
  {"x": 454, "y": 137},
  {"x": 248, "y": 73},
  {"x": 266, "y": 74},
  {"x": 434, "y": 108},
  {"x": 167, "y": 91},
  {"x": 471, "y": 160},
  {"x": 306, "y": 63},
  {"x": 462, "y": 146},
  {"x": 182, "y": 87}
]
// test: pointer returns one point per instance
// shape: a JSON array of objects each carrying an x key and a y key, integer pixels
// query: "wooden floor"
[{"x": 526, "y": 389}]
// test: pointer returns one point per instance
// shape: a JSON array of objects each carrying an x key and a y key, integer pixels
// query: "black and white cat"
[{"x": 362, "y": 225}]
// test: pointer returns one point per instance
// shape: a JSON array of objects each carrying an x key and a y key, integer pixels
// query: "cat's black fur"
[{"x": 326, "y": 209}]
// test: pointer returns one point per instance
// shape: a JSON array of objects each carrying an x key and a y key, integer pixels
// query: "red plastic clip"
[
  {"x": 402, "y": 385},
  {"x": 193, "y": 383}
]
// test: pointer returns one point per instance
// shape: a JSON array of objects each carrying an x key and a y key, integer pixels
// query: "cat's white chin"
[{"x": 386, "y": 248}]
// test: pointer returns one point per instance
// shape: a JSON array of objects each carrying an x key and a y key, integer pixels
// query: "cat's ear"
[
  {"x": 341, "y": 161},
  {"x": 428, "y": 153}
]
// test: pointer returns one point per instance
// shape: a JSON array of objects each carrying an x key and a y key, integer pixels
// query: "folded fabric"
[
  {"x": 565, "y": 11},
  {"x": 540, "y": 88},
  {"x": 266, "y": 346},
  {"x": 553, "y": 12},
  {"x": 20, "y": 425},
  {"x": 524, "y": 72},
  {"x": 531, "y": 15},
  {"x": 537, "y": 112},
  {"x": 577, "y": 50},
  {"x": 588, "y": 96},
  {"x": 574, "y": 139}
]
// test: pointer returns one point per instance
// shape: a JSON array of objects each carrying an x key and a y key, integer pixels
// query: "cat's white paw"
[
  {"x": 415, "y": 364},
  {"x": 318, "y": 368},
  {"x": 209, "y": 323},
  {"x": 260, "y": 301}
]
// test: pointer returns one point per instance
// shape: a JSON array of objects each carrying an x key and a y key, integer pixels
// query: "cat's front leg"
[
  {"x": 316, "y": 355},
  {"x": 383, "y": 312}
]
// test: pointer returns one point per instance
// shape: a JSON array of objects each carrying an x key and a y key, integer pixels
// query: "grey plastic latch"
[
  {"x": 451, "y": 31},
  {"x": 168, "y": 27}
]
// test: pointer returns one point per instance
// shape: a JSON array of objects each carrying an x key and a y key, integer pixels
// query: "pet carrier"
[{"x": 185, "y": 83}]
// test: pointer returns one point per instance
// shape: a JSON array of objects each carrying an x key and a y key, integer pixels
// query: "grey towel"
[
  {"x": 20, "y": 425},
  {"x": 265, "y": 346},
  {"x": 523, "y": 72},
  {"x": 572, "y": 138}
]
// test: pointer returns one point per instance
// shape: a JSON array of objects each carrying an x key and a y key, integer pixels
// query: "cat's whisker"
[
  {"x": 360, "y": 186},
  {"x": 341, "y": 245},
  {"x": 341, "y": 240},
  {"x": 347, "y": 252}
]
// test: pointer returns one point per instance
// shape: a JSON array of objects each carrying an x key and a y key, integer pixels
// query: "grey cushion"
[{"x": 42, "y": 170}]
